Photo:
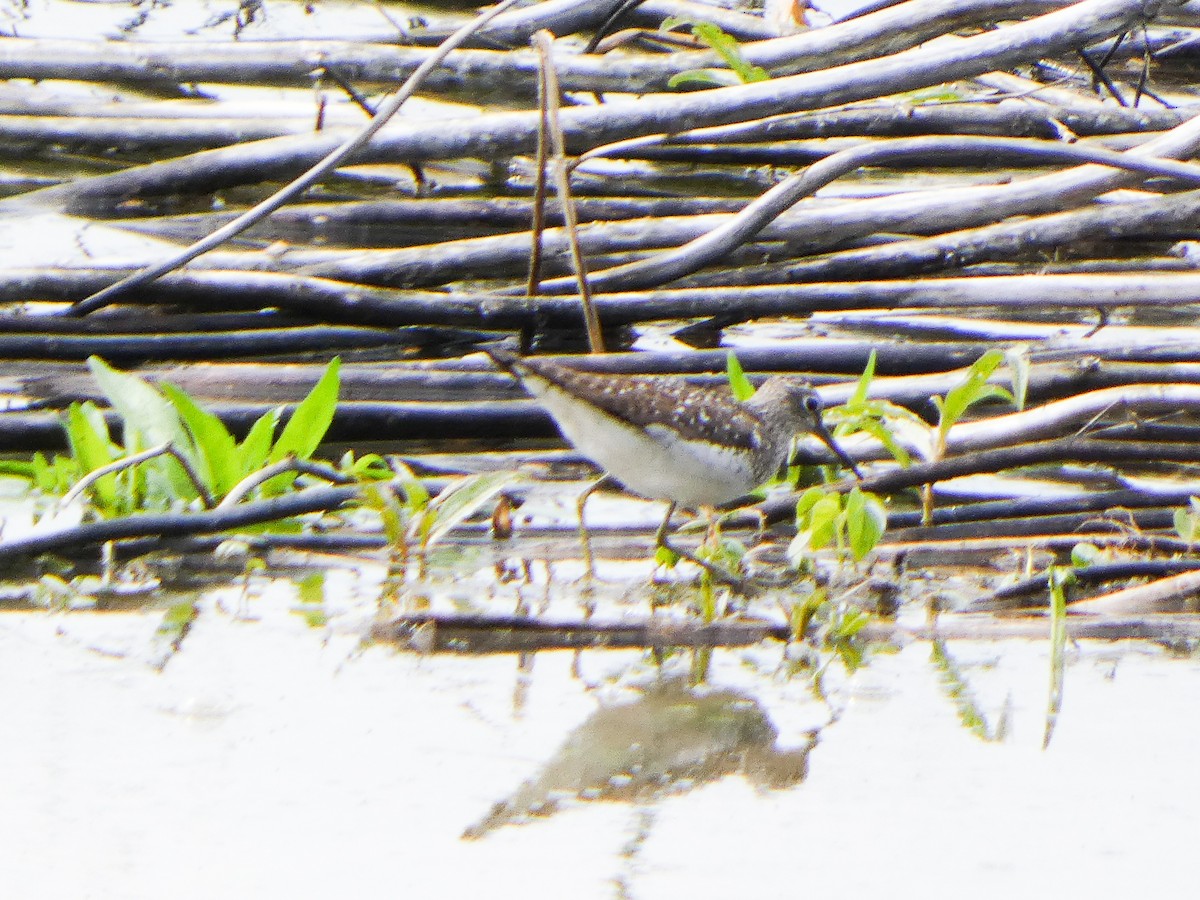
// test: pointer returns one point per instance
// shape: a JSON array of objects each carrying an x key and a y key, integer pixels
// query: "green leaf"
[
  {"x": 859, "y": 398},
  {"x": 1020, "y": 366},
  {"x": 729, "y": 50},
  {"x": 666, "y": 557},
  {"x": 847, "y": 622},
  {"x": 252, "y": 452},
  {"x": 973, "y": 389},
  {"x": 1084, "y": 554},
  {"x": 307, "y": 427},
  {"x": 723, "y": 44},
  {"x": 145, "y": 411},
  {"x": 149, "y": 419},
  {"x": 866, "y": 520},
  {"x": 939, "y": 94},
  {"x": 416, "y": 495},
  {"x": 1187, "y": 521},
  {"x": 823, "y": 521},
  {"x": 87, "y": 436},
  {"x": 884, "y": 435},
  {"x": 383, "y": 500},
  {"x": 17, "y": 468},
  {"x": 806, "y": 502},
  {"x": 458, "y": 501},
  {"x": 43, "y": 475},
  {"x": 370, "y": 467},
  {"x": 55, "y": 476},
  {"x": 738, "y": 382},
  {"x": 217, "y": 463},
  {"x": 704, "y": 77}
]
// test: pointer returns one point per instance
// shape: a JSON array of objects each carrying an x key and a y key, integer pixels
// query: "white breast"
[{"x": 655, "y": 463}]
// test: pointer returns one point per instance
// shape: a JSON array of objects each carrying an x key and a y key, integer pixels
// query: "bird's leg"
[
  {"x": 585, "y": 542},
  {"x": 717, "y": 573},
  {"x": 660, "y": 536}
]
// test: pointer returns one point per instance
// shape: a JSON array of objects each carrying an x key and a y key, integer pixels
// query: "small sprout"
[
  {"x": 666, "y": 557},
  {"x": 1187, "y": 521},
  {"x": 1084, "y": 554},
  {"x": 974, "y": 388},
  {"x": 725, "y": 46},
  {"x": 739, "y": 384}
]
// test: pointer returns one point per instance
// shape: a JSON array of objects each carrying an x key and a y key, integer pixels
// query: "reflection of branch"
[
  {"x": 512, "y": 634},
  {"x": 484, "y": 634}
]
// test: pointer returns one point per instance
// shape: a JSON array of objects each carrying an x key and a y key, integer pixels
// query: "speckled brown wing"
[{"x": 696, "y": 413}]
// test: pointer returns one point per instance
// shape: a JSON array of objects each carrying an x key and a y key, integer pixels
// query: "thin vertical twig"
[
  {"x": 558, "y": 164},
  {"x": 538, "y": 225}
]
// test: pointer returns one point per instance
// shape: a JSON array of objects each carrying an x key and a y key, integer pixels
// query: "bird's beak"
[{"x": 821, "y": 431}]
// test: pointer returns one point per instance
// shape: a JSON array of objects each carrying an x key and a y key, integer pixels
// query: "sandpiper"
[{"x": 666, "y": 439}]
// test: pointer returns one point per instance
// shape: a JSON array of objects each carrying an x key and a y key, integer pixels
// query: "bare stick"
[
  {"x": 129, "y": 462},
  {"x": 563, "y": 183},
  {"x": 711, "y": 247},
  {"x": 242, "y": 489},
  {"x": 538, "y": 224}
]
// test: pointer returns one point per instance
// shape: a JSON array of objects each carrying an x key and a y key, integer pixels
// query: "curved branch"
[{"x": 502, "y": 134}]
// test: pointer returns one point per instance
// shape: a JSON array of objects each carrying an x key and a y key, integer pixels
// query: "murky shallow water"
[{"x": 269, "y": 756}]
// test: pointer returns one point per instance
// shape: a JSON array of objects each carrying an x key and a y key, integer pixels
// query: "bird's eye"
[{"x": 812, "y": 403}]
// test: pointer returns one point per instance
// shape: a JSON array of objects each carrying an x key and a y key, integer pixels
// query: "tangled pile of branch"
[{"x": 925, "y": 181}]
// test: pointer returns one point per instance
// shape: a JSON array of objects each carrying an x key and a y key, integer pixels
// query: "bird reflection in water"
[{"x": 668, "y": 741}]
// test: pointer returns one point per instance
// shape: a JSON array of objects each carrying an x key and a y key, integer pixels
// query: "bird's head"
[{"x": 804, "y": 409}]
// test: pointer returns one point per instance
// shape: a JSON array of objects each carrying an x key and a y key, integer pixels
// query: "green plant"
[
  {"x": 1187, "y": 521},
  {"x": 173, "y": 451},
  {"x": 854, "y": 522},
  {"x": 725, "y": 553},
  {"x": 421, "y": 521},
  {"x": 874, "y": 417},
  {"x": 974, "y": 388},
  {"x": 739, "y": 384},
  {"x": 725, "y": 46}
]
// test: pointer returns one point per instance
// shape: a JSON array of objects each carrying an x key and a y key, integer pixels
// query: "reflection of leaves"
[
  {"x": 671, "y": 739},
  {"x": 959, "y": 691}
]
